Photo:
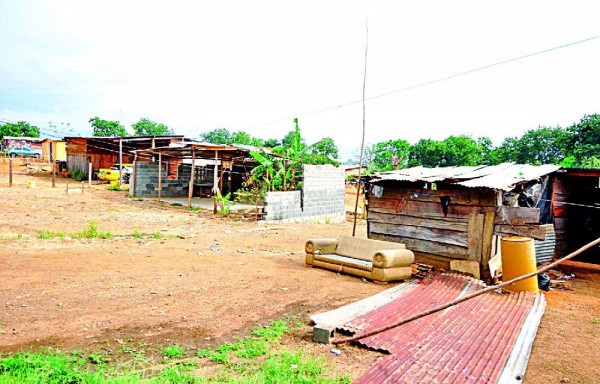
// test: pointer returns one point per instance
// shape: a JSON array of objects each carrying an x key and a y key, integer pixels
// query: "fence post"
[{"x": 10, "y": 172}]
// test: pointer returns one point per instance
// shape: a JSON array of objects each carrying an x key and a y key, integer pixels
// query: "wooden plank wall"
[{"x": 415, "y": 217}]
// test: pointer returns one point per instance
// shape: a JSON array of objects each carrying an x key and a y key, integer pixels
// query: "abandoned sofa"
[{"x": 380, "y": 261}]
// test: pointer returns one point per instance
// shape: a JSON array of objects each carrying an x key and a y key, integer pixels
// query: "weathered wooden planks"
[
  {"x": 462, "y": 197},
  {"x": 517, "y": 215},
  {"x": 448, "y": 223},
  {"x": 475, "y": 236},
  {"x": 424, "y": 246},
  {"x": 537, "y": 232},
  {"x": 424, "y": 208},
  {"x": 422, "y": 233}
]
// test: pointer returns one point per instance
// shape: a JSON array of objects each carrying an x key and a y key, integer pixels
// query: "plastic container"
[{"x": 518, "y": 259}]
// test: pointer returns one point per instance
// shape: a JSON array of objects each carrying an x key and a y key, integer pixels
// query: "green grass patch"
[
  {"x": 49, "y": 235},
  {"x": 595, "y": 320},
  {"x": 173, "y": 351},
  {"x": 239, "y": 363},
  {"x": 114, "y": 187},
  {"x": 92, "y": 232}
]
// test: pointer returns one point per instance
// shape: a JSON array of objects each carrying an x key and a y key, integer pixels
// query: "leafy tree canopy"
[
  {"x": 106, "y": 128},
  {"x": 326, "y": 147},
  {"x": 147, "y": 127},
  {"x": 21, "y": 128},
  {"x": 388, "y": 155}
]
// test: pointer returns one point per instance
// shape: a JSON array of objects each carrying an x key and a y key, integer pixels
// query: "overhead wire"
[{"x": 438, "y": 80}]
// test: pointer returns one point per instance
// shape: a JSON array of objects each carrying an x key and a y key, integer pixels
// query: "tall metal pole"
[{"x": 362, "y": 145}]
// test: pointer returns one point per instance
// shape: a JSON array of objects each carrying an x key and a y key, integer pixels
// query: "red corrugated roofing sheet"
[{"x": 469, "y": 342}]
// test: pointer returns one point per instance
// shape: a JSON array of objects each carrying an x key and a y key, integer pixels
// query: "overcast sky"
[{"x": 254, "y": 66}]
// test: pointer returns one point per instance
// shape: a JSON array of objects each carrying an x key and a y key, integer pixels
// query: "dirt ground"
[{"x": 204, "y": 281}]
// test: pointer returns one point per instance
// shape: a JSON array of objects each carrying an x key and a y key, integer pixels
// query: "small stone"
[{"x": 565, "y": 380}]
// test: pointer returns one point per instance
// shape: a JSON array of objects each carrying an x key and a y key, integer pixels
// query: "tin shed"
[{"x": 457, "y": 213}]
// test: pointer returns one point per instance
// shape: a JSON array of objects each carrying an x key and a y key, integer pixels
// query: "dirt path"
[{"x": 204, "y": 281}]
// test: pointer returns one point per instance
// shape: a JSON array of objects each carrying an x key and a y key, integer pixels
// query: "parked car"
[
  {"x": 24, "y": 151},
  {"x": 112, "y": 173}
]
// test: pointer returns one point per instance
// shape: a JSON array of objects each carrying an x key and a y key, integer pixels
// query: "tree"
[
  {"x": 388, "y": 155},
  {"x": 147, "y": 127},
  {"x": 106, "y": 128},
  {"x": 326, "y": 147},
  {"x": 581, "y": 142},
  {"x": 21, "y": 128},
  {"x": 270, "y": 143},
  {"x": 543, "y": 145},
  {"x": 426, "y": 152}
]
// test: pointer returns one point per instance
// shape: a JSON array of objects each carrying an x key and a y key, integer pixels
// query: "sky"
[{"x": 254, "y": 66}]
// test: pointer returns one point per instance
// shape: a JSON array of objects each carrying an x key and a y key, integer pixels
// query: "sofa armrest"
[
  {"x": 393, "y": 258},
  {"x": 323, "y": 246}
]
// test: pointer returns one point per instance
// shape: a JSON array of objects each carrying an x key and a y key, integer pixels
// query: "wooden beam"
[
  {"x": 537, "y": 232},
  {"x": 191, "y": 187},
  {"x": 10, "y": 172},
  {"x": 475, "y": 236},
  {"x": 517, "y": 215},
  {"x": 488, "y": 240}
]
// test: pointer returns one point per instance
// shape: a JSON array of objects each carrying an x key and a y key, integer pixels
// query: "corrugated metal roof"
[
  {"x": 502, "y": 176},
  {"x": 470, "y": 342}
]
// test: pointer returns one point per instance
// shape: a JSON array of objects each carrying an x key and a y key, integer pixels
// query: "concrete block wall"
[
  {"x": 321, "y": 198},
  {"x": 146, "y": 181}
]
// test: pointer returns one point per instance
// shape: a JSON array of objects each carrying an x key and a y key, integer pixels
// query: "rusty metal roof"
[
  {"x": 502, "y": 176},
  {"x": 479, "y": 340}
]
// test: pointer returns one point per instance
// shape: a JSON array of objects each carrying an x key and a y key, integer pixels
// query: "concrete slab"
[{"x": 204, "y": 203}]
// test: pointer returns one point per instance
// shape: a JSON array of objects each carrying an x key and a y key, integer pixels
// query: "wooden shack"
[
  {"x": 454, "y": 213},
  {"x": 576, "y": 210},
  {"x": 103, "y": 152}
]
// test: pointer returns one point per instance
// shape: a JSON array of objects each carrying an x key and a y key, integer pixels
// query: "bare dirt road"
[{"x": 178, "y": 276}]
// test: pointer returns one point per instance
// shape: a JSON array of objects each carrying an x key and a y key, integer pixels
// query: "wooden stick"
[
  {"x": 67, "y": 188},
  {"x": 90, "y": 174},
  {"x": 469, "y": 296},
  {"x": 10, "y": 172},
  {"x": 362, "y": 145},
  {"x": 82, "y": 185},
  {"x": 54, "y": 174},
  {"x": 191, "y": 187}
]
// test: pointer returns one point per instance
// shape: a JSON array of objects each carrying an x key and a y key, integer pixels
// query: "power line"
[{"x": 438, "y": 80}]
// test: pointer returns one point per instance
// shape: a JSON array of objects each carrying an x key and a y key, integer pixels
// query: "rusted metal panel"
[
  {"x": 502, "y": 176},
  {"x": 471, "y": 341}
]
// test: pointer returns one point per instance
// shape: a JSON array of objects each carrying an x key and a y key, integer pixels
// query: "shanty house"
[
  {"x": 103, "y": 152},
  {"x": 459, "y": 213}
]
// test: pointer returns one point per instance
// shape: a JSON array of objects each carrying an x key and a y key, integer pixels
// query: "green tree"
[
  {"x": 147, "y": 127},
  {"x": 543, "y": 145},
  {"x": 386, "y": 155},
  {"x": 106, "y": 128},
  {"x": 216, "y": 136},
  {"x": 581, "y": 142},
  {"x": 270, "y": 143},
  {"x": 426, "y": 152},
  {"x": 326, "y": 147},
  {"x": 20, "y": 128},
  {"x": 461, "y": 150}
]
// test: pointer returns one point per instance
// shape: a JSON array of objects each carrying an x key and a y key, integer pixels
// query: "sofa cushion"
[
  {"x": 345, "y": 261},
  {"x": 363, "y": 249}
]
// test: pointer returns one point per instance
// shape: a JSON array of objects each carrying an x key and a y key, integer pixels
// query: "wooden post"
[
  {"x": 134, "y": 175},
  {"x": 67, "y": 188},
  {"x": 159, "y": 175},
  {"x": 121, "y": 161},
  {"x": 90, "y": 174},
  {"x": 215, "y": 188},
  {"x": 54, "y": 174},
  {"x": 82, "y": 185},
  {"x": 10, "y": 172},
  {"x": 191, "y": 188}
]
